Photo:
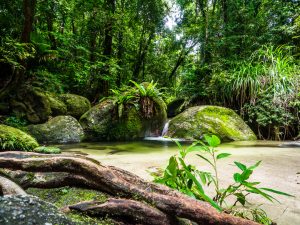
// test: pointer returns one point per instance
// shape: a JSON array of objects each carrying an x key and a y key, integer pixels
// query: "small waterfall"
[
  {"x": 163, "y": 133},
  {"x": 166, "y": 128}
]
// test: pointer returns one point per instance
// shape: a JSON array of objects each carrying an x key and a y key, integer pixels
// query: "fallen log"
[{"x": 118, "y": 182}]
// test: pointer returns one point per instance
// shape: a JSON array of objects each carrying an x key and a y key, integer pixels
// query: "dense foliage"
[{"x": 236, "y": 53}]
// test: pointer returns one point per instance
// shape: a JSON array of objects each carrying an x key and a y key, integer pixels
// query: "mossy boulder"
[
  {"x": 33, "y": 104},
  {"x": 199, "y": 120},
  {"x": 60, "y": 129},
  {"x": 76, "y": 105},
  {"x": 57, "y": 106},
  {"x": 38, "y": 106},
  {"x": 102, "y": 122},
  {"x": 128, "y": 127},
  {"x": 14, "y": 139}
]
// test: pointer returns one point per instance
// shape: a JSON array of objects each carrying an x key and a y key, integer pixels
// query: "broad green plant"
[
  {"x": 123, "y": 98},
  {"x": 188, "y": 179}
]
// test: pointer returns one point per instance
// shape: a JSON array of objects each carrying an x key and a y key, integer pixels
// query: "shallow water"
[{"x": 280, "y": 167}]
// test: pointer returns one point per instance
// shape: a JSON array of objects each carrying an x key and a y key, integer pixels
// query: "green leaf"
[
  {"x": 223, "y": 155},
  {"x": 200, "y": 188},
  {"x": 255, "y": 165},
  {"x": 257, "y": 191},
  {"x": 277, "y": 192},
  {"x": 241, "y": 198},
  {"x": 202, "y": 177},
  {"x": 172, "y": 167},
  {"x": 240, "y": 165},
  {"x": 246, "y": 174},
  {"x": 213, "y": 140},
  {"x": 237, "y": 177}
]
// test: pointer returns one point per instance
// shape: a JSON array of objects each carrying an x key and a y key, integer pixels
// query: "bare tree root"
[
  {"x": 8, "y": 187},
  {"x": 117, "y": 182}
]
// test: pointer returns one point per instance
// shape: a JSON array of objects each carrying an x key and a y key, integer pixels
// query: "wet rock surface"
[
  {"x": 29, "y": 210},
  {"x": 60, "y": 129}
]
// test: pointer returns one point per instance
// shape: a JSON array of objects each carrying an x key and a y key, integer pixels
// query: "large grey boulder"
[
  {"x": 29, "y": 210},
  {"x": 199, "y": 120},
  {"x": 97, "y": 120},
  {"x": 60, "y": 129}
]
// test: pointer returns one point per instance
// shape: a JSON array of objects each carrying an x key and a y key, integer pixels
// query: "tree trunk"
[
  {"x": 108, "y": 45},
  {"x": 143, "y": 50},
  {"x": 28, "y": 7},
  {"x": 50, "y": 31},
  {"x": 118, "y": 182}
]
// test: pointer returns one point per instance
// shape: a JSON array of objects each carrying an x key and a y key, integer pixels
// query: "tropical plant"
[
  {"x": 188, "y": 179},
  {"x": 123, "y": 98},
  {"x": 148, "y": 96}
]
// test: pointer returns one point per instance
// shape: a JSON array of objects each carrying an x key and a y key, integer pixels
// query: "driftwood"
[{"x": 82, "y": 171}]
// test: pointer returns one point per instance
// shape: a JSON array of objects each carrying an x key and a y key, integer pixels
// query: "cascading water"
[
  {"x": 166, "y": 128},
  {"x": 163, "y": 133}
]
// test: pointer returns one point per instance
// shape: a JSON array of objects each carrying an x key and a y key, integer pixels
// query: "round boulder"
[
  {"x": 60, "y": 129},
  {"x": 97, "y": 120},
  {"x": 76, "y": 105},
  {"x": 14, "y": 139},
  {"x": 199, "y": 120}
]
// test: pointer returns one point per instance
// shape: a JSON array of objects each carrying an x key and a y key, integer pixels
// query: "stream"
[{"x": 280, "y": 167}]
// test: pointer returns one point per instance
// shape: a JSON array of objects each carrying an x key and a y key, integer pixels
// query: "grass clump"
[{"x": 47, "y": 150}]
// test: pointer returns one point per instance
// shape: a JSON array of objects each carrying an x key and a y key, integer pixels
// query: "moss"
[
  {"x": 56, "y": 105},
  {"x": 127, "y": 128},
  {"x": 15, "y": 139},
  {"x": 65, "y": 196},
  {"x": 76, "y": 105},
  {"x": 37, "y": 106},
  {"x": 47, "y": 150}
]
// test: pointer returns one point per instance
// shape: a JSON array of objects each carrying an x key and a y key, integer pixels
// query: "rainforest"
[{"x": 150, "y": 112}]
